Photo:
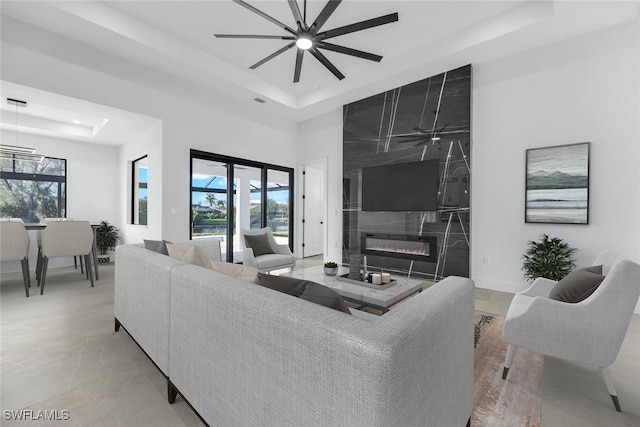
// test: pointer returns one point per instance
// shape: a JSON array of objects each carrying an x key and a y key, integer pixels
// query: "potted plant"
[
  {"x": 550, "y": 258},
  {"x": 107, "y": 236},
  {"x": 330, "y": 268}
]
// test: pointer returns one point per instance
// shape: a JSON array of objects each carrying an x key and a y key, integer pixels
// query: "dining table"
[{"x": 94, "y": 248}]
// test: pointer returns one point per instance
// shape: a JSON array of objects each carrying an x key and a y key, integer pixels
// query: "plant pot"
[
  {"x": 104, "y": 259},
  {"x": 330, "y": 271}
]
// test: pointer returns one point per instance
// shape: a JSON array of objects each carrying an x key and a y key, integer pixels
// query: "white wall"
[
  {"x": 92, "y": 171},
  {"x": 191, "y": 116},
  {"x": 148, "y": 143},
  {"x": 581, "y": 89},
  {"x": 321, "y": 138}
]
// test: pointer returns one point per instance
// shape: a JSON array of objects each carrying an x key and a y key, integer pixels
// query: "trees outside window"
[{"x": 33, "y": 190}]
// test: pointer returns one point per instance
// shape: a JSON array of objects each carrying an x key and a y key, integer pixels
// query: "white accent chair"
[
  {"x": 280, "y": 256},
  {"x": 14, "y": 246},
  {"x": 589, "y": 332},
  {"x": 65, "y": 238}
]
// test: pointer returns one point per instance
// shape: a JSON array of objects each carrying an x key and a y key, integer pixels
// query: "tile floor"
[{"x": 59, "y": 352}]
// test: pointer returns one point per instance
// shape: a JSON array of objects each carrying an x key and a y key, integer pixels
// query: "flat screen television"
[{"x": 401, "y": 187}]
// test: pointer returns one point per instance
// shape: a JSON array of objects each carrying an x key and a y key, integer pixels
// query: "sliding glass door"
[{"x": 230, "y": 194}]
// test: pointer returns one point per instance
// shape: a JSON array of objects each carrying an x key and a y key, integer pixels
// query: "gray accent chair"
[
  {"x": 589, "y": 332},
  {"x": 62, "y": 239},
  {"x": 14, "y": 246},
  {"x": 281, "y": 256}
]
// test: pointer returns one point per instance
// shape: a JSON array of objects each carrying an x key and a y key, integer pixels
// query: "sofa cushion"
[
  {"x": 189, "y": 253},
  {"x": 305, "y": 289},
  {"x": 159, "y": 246},
  {"x": 259, "y": 243},
  {"x": 243, "y": 272},
  {"x": 578, "y": 285}
]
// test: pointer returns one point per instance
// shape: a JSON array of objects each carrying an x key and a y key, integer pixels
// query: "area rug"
[{"x": 516, "y": 401}]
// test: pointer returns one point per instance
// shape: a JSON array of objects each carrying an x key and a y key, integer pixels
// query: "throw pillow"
[
  {"x": 190, "y": 253},
  {"x": 578, "y": 285},
  {"x": 259, "y": 243},
  {"x": 306, "y": 290},
  {"x": 159, "y": 246},
  {"x": 243, "y": 272}
]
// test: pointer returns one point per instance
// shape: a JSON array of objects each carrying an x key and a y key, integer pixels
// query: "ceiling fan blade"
[
  {"x": 359, "y": 26},
  {"x": 442, "y": 128},
  {"x": 265, "y": 16},
  {"x": 416, "y": 136},
  {"x": 295, "y": 9},
  {"x": 326, "y": 12},
  {"x": 296, "y": 73},
  {"x": 252, "y": 36},
  {"x": 273, "y": 55},
  {"x": 324, "y": 61},
  {"x": 349, "y": 51}
]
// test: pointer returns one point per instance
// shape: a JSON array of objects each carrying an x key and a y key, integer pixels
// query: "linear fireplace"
[{"x": 421, "y": 248}]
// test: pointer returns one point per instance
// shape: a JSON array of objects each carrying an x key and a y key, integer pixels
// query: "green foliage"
[
  {"x": 550, "y": 258},
  {"x": 29, "y": 199},
  {"x": 142, "y": 210},
  {"x": 107, "y": 237},
  {"x": 330, "y": 264}
]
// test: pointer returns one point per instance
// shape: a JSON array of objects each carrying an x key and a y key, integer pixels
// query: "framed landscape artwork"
[{"x": 558, "y": 184}]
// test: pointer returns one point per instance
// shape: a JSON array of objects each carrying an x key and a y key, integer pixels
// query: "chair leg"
[
  {"x": 608, "y": 380},
  {"x": 508, "y": 360},
  {"x": 82, "y": 267},
  {"x": 87, "y": 261},
  {"x": 25, "y": 275},
  {"x": 38, "y": 265},
  {"x": 75, "y": 262},
  {"x": 43, "y": 273}
]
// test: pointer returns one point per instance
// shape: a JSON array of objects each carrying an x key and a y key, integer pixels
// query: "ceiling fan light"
[{"x": 304, "y": 43}]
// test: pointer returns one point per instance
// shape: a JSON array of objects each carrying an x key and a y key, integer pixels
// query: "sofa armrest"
[
  {"x": 540, "y": 287},
  {"x": 142, "y": 299},
  {"x": 248, "y": 258},
  {"x": 282, "y": 249}
]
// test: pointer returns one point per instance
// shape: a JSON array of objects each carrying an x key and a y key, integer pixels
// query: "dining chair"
[
  {"x": 14, "y": 246},
  {"x": 39, "y": 238},
  {"x": 65, "y": 238}
]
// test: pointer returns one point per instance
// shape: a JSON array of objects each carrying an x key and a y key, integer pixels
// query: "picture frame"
[{"x": 557, "y": 184}]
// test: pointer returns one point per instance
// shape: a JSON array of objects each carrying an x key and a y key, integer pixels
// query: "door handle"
[{"x": 321, "y": 222}]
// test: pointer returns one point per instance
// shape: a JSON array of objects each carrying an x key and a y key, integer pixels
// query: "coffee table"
[{"x": 380, "y": 299}]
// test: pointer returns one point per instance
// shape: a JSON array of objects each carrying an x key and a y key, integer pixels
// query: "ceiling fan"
[
  {"x": 422, "y": 136},
  {"x": 310, "y": 38}
]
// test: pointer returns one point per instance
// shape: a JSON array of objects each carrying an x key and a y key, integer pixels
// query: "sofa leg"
[
  {"x": 117, "y": 325},
  {"x": 469, "y": 422},
  {"x": 172, "y": 392}
]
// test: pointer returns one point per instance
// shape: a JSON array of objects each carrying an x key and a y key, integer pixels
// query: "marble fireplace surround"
[{"x": 428, "y": 120}]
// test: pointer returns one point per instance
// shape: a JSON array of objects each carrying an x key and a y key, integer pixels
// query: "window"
[
  {"x": 139, "y": 191},
  {"x": 230, "y": 194},
  {"x": 33, "y": 190}
]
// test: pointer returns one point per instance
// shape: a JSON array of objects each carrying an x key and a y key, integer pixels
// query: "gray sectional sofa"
[{"x": 245, "y": 355}]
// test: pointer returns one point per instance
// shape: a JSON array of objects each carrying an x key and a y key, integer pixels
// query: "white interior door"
[{"x": 314, "y": 210}]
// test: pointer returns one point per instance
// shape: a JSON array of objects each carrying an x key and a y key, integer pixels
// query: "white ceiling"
[
  {"x": 68, "y": 118},
  {"x": 176, "y": 37}
]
